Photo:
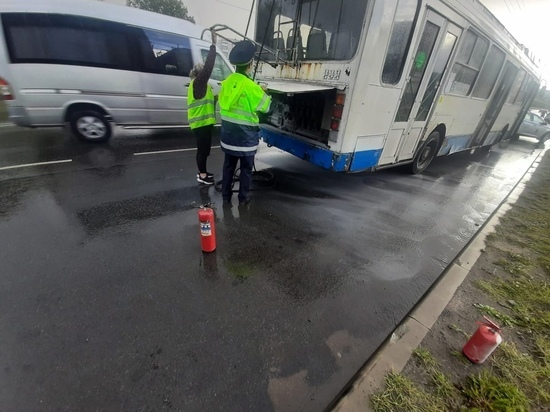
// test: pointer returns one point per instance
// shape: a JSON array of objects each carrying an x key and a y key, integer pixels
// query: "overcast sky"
[
  {"x": 233, "y": 13},
  {"x": 527, "y": 20}
]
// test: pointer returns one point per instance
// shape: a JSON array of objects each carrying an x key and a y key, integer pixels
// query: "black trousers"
[
  {"x": 204, "y": 143},
  {"x": 245, "y": 180}
]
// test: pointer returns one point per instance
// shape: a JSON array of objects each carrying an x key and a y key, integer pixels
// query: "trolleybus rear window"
[{"x": 311, "y": 29}]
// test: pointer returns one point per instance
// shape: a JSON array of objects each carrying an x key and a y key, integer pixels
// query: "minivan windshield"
[{"x": 310, "y": 29}]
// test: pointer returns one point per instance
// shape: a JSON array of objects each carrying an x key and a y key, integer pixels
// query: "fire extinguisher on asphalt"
[
  {"x": 483, "y": 342},
  {"x": 208, "y": 229}
]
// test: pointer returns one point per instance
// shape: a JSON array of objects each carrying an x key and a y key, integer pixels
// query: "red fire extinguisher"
[
  {"x": 483, "y": 342},
  {"x": 208, "y": 229}
]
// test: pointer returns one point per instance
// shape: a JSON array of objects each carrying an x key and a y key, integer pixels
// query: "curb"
[{"x": 396, "y": 351}]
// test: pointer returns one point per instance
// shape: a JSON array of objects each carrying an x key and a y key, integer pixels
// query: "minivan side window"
[
  {"x": 63, "y": 39},
  {"x": 84, "y": 41},
  {"x": 166, "y": 53},
  {"x": 221, "y": 69}
]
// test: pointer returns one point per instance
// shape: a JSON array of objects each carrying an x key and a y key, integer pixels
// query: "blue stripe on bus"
[
  {"x": 453, "y": 144},
  {"x": 365, "y": 160},
  {"x": 338, "y": 162}
]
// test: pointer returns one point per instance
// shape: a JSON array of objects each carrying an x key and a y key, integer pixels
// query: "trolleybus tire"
[{"x": 425, "y": 154}]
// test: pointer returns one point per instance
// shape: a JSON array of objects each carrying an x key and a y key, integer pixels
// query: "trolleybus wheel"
[{"x": 426, "y": 154}]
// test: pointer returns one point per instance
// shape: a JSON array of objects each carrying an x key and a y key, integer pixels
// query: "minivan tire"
[
  {"x": 425, "y": 154},
  {"x": 90, "y": 126}
]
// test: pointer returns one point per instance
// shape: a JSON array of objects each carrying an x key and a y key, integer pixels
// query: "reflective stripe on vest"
[
  {"x": 238, "y": 148},
  {"x": 244, "y": 120},
  {"x": 241, "y": 99},
  {"x": 264, "y": 105},
  {"x": 239, "y": 140},
  {"x": 201, "y": 112}
]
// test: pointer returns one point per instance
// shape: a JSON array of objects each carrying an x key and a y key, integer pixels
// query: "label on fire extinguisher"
[{"x": 206, "y": 229}]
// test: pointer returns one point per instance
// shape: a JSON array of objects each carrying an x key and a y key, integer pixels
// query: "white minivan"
[{"x": 91, "y": 65}]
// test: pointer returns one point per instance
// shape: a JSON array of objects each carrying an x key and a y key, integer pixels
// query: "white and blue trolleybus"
[{"x": 362, "y": 85}]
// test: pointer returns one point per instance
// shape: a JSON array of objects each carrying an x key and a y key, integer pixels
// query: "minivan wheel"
[
  {"x": 544, "y": 138},
  {"x": 91, "y": 126},
  {"x": 426, "y": 154}
]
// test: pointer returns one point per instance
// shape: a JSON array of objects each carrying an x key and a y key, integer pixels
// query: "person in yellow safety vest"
[
  {"x": 201, "y": 111},
  {"x": 240, "y": 101}
]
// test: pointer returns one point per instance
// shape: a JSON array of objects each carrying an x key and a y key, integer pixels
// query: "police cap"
[{"x": 243, "y": 53}]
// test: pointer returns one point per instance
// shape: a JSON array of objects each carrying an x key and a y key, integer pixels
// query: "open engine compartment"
[{"x": 305, "y": 114}]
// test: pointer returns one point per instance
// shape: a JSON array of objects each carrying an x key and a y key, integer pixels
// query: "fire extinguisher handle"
[{"x": 490, "y": 323}]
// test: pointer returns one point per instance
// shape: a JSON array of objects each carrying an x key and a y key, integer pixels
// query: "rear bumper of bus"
[{"x": 318, "y": 155}]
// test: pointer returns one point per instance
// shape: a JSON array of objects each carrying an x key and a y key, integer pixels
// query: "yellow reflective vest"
[
  {"x": 201, "y": 112},
  {"x": 241, "y": 99}
]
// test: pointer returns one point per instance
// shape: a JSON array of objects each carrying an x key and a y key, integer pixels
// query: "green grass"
[
  {"x": 516, "y": 378},
  {"x": 495, "y": 315},
  {"x": 443, "y": 385},
  {"x": 486, "y": 392},
  {"x": 491, "y": 238},
  {"x": 402, "y": 395},
  {"x": 532, "y": 298},
  {"x": 514, "y": 264},
  {"x": 425, "y": 358},
  {"x": 525, "y": 371},
  {"x": 515, "y": 383}
]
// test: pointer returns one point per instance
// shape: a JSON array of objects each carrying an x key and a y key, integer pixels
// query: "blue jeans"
[{"x": 229, "y": 166}]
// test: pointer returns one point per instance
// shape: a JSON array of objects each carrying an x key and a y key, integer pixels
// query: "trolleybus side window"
[
  {"x": 400, "y": 40},
  {"x": 423, "y": 55},
  {"x": 62, "y": 39},
  {"x": 522, "y": 91},
  {"x": 515, "y": 88},
  {"x": 470, "y": 57},
  {"x": 436, "y": 76},
  {"x": 329, "y": 29},
  {"x": 489, "y": 73}
]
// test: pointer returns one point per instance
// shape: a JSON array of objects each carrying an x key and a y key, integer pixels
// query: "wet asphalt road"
[{"x": 107, "y": 303}]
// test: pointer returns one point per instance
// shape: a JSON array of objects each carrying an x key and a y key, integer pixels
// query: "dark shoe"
[
  {"x": 208, "y": 180},
  {"x": 245, "y": 201},
  {"x": 207, "y": 174}
]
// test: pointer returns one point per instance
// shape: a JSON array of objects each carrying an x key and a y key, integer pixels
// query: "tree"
[{"x": 174, "y": 8}]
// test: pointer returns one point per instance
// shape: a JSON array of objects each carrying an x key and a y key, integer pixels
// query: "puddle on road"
[{"x": 286, "y": 392}]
